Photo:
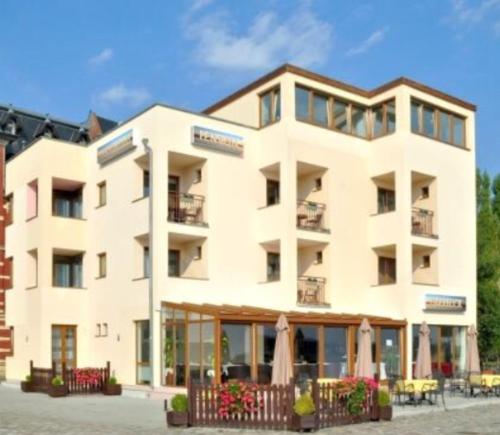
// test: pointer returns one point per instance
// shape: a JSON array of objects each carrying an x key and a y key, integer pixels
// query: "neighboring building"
[
  {"x": 170, "y": 245},
  {"x": 18, "y": 129}
]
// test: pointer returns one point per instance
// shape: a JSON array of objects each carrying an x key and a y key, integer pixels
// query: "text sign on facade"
[
  {"x": 445, "y": 303},
  {"x": 116, "y": 147},
  {"x": 217, "y": 140}
]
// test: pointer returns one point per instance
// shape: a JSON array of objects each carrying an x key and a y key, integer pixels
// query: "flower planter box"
[
  {"x": 386, "y": 413},
  {"x": 112, "y": 389},
  {"x": 26, "y": 387},
  {"x": 57, "y": 390},
  {"x": 175, "y": 418},
  {"x": 304, "y": 422}
]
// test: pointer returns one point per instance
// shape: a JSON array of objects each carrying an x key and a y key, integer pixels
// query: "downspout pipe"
[{"x": 149, "y": 152}]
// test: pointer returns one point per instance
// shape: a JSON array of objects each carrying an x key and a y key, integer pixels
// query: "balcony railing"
[
  {"x": 185, "y": 208},
  {"x": 310, "y": 215},
  {"x": 422, "y": 222},
  {"x": 311, "y": 290}
]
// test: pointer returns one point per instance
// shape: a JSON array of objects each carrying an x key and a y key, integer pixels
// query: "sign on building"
[
  {"x": 445, "y": 303},
  {"x": 116, "y": 147},
  {"x": 217, "y": 140}
]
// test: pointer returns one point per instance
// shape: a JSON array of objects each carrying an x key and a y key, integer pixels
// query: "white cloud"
[
  {"x": 466, "y": 15},
  {"x": 101, "y": 57},
  {"x": 120, "y": 94},
  {"x": 270, "y": 39},
  {"x": 496, "y": 28},
  {"x": 374, "y": 39},
  {"x": 199, "y": 4}
]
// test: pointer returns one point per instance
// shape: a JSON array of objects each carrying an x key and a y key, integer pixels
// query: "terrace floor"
[{"x": 22, "y": 413}]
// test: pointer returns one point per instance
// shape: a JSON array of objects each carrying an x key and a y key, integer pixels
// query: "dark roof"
[
  {"x": 338, "y": 84},
  {"x": 28, "y": 126}
]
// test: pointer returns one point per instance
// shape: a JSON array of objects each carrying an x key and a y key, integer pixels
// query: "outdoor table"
[
  {"x": 490, "y": 381},
  {"x": 417, "y": 386}
]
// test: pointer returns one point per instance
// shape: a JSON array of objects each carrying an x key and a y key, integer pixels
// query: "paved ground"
[{"x": 37, "y": 413}]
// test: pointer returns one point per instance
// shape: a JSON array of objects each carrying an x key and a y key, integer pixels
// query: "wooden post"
[
  {"x": 31, "y": 370},
  {"x": 315, "y": 397},
  {"x": 53, "y": 370},
  {"x": 108, "y": 371},
  {"x": 64, "y": 377},
  {"x": 290, "y": 403},
  {"x": 374, "y": 408}
]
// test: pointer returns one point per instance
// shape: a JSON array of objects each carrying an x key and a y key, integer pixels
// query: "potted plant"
[
  {"x": 304, "y": 417},
  {"x": 384, "y": 403},
  {"x": 57, "y": 388},
  {"x": 112, "y": 387},
  {"x": 178, "y": 415},
  {"x": 27, "y": 385}
]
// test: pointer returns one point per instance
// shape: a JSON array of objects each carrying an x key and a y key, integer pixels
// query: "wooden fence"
[
  {"x": 41, "y": 379},
  {"x": 277, "y": 407}
]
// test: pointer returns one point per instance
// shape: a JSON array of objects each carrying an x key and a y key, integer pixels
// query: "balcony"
[
  {"x": 311, "y": 290},
  {"x": 422, "y": 222},
  {"x": 310, "y": 215},
  {"x": 185, "y": 208}
]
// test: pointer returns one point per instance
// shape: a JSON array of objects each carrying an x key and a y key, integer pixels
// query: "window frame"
[
  {"x": 276, "y": 276},
  {"x": 102, "y": 265},
  {"x": 438, "y": 111},
  {"x": 102, "y": 199},
  {"x": 71, "y": 275},
  {"x": 273, "y": 116},
  {"x": 384, "y": 277}
]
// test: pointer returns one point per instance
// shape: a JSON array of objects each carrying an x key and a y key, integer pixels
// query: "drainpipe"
[{"x": 149, "y": 151}]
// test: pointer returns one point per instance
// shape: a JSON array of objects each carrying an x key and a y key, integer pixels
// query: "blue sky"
[{"x": 117, "y": 56}]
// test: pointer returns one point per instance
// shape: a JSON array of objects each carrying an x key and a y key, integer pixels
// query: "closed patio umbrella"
[
  {"x": 282, "y": 361},
  {"x": 423, "y": 368},
  {"x": 472, "y": 364},
  {"x": 364, "y": 367}
]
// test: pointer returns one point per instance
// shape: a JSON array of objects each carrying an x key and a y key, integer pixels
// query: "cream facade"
[{"x": 305, "y": 219}]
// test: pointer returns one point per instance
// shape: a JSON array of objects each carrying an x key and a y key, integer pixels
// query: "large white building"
[{"x": 169, "y": 245}]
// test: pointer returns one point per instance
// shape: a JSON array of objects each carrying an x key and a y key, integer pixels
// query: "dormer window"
[
  {"x": 270, "y": 107},
  {"x": 11, "y": 127}
]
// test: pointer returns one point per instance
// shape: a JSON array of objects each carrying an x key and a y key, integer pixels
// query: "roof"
[
  {"x": 29, "y": 126},
  {"x": 287, "y": 68},
  {"x": 242, "y": 313}
]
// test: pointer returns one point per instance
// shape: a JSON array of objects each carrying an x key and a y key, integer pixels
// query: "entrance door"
[
  {"x": 64, "y": 346},
  {"x": 173, "y": 198}
]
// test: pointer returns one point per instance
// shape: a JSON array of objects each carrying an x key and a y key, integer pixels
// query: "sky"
[{"x": 116, "y": 57}]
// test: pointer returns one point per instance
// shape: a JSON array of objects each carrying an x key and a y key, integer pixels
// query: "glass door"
[{"x": 64, "y": 346}]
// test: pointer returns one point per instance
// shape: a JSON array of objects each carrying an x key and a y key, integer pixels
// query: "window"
[
  {"x": 425, "y": 192},
  {"x": 270, "y": 107},
  {"x": 101, "y": 259},
  {"x": 236, "y": 346},
  {"x": 98, "y": 330},
  {"x": 66, "y": 203},
  {"x": 335, "y": 352},
  {"x": 101, "y": 193},
  {"x": 319, "y": 257},
  {"x": 143, "y": 365},
  {"x": 197, "y": 176},
  {"x": 321, "y": 110},
  {"x": 11, "y": 127},
  {"x": 384, "y": 119},
  {"x": 386, "y": 200},
  {"x": 145, "y": 183},
  {"x": 301, "y": 103},
  {"x": 386, "y": 270},
  {"x": 273, "y": 192},
  {"x": 306, "y": 351},
  {"x": 32, "y": 269},
  {"x": 104, "y": 329},
  {"x": 318, "y": 184},
  {"x": 426, "y": 261},
  {"x": 437, "y": 123},
  {"x": 198, "y": 252},
  {"x": 174, "y": 260},
  {"x": 266, "y": 341},
  {"x": 146, "y": 266},
  {"x": 345, "y": 116},
  {"x": 273, "y": 266},
  {"x": 67, "y": 271}
]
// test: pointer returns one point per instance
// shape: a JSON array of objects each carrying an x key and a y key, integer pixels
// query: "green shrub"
[
  {"x": 304, "y": 405},
  {"x": 180, "y": 403},
  {"x": 112, "y": 381},
  {"x": 57, "y": 381},
  {"x": 28, "y": 378},
  {"x": 383, "y": 398}
]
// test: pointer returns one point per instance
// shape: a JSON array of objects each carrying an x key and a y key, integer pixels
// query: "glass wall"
[
  {"x": 336, "y": 362},
  {"x": 390, "y": 352},
  {"x": 266, "y": 340},
  {"x": 447, "y": 348},
  {"x": 236, "y": 351},
  {"x": 143, "y": 364},
  {"x": 306, "y": 352}
]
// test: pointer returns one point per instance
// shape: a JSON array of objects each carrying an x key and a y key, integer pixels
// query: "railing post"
[
  {"x": 315, "y": 394},
  {"x": 374, "y": 408},
  {"x": 290, "y": 403}
]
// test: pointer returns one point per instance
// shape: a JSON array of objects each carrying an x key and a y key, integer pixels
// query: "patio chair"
[
  {"x": 495, "y": 387},
  {"x": 396, "y": 392},
  {"x": 457, "y": 383},
  {"x": 434, "y": 392}
]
